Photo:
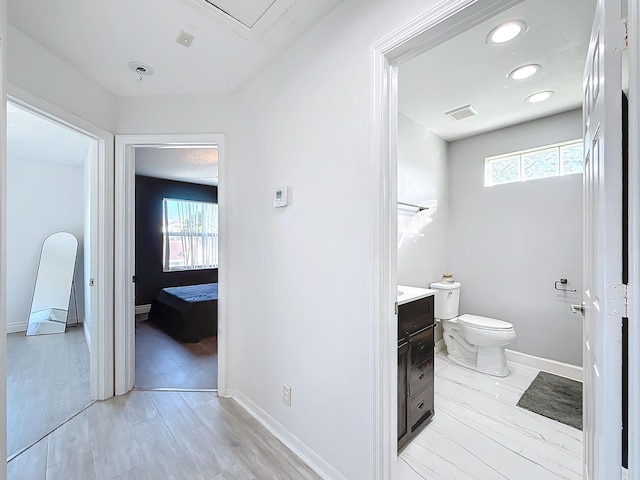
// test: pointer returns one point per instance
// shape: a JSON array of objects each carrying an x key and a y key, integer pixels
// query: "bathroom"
[
  {"x": 507, "y": 244},
  {"x": 514, "y": 246}
]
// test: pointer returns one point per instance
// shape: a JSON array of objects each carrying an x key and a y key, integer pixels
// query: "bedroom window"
[
  {"x": 543, "y": 162},
  {"x": 189, "y": 235}
]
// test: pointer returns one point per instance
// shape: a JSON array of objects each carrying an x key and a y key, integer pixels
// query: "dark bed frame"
[{"x": 189, "y": 313}]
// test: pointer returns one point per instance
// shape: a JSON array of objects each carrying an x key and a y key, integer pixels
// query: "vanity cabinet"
[{"x": 415, "y": 367}]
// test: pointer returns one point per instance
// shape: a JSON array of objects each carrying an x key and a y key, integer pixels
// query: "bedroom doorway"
[
  {"x": 169, "y": 252},
  {"x": 51, "y": 151}
]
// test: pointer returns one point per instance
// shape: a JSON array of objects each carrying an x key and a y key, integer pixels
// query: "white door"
[{"x": 603, "y": 299}]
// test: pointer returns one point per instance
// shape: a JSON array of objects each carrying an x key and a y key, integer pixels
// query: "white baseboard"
[
  {"x": 293, "y": 443},
  {"x": 22, "y": 326},
  {"x": 140, "y": 309},
  {"x": 558, "y": 368},
  {"x": 551, "y": 366},
  {"x": 16, "y": 327}
]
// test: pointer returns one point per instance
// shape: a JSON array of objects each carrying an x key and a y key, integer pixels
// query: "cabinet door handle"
[
  {"x": 421, "y": 376},
  {"x": 421, "y": 405}
]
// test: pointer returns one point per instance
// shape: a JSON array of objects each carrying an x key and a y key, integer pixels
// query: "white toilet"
[{"x": 472, "y": 341}]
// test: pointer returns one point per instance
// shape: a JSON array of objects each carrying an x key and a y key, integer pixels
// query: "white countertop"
[{"x": 409, "y": 294}]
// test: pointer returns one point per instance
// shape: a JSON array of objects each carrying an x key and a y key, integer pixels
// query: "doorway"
[
  {"x": 393, "y": 52},
  {"x": 176, "y": 268},
  {"x": 128, "y": 149},
  {"x": 53, "y": 377}
]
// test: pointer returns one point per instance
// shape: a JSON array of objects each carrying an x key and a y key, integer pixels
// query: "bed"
[{"x": 188, "y": 313}]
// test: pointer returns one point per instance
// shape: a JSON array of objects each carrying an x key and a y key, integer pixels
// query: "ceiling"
[
  {"x": 32, "y": 137},
  {"x": 467, "y": 70},
  {"x": 36, "y": 138},
  {"x": 184, "y": 164},
  {"x": 101, "y": 38}
]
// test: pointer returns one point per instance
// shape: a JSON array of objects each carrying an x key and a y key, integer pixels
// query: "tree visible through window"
[
  {"x": 549, "y": 161},
  {"x": 189, "y": 234}
]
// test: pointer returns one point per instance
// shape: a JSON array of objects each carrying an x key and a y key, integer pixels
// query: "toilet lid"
[{"x": 484, "y": 323}]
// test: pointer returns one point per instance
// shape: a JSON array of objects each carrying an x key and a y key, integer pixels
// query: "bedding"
[{"x": 188, "y": 313}]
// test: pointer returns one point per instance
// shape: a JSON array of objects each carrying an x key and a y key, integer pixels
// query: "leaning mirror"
[{"x": 54, "y": 281}]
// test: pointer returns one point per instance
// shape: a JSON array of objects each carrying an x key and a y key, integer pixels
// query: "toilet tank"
[{"x": 447, "y": 299}]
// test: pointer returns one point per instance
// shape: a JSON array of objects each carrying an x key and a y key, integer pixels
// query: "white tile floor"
[{"x": 478, "y": 432}]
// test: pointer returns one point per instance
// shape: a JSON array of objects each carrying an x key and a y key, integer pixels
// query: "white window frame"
[{"x": 519, "y": 154}]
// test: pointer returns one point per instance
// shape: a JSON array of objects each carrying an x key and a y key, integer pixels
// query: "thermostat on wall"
[{"x": 280, "y": 197}]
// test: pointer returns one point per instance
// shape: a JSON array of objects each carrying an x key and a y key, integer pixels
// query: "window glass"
[
  {"x": 540, "y": 164},
  {"x": 571, "y": 160},
  {"x": 544, "y": 162},
  {"x": 190, "y": 235},
  {"x": 504, "y": 170}
]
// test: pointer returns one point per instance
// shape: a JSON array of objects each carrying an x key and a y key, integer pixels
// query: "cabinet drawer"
[
  {"x": 421, "y": 346},
  {"x": 414, "y": 316},
  {"x": 420, "y": 376},
  {"x": 421, "y": 407}
]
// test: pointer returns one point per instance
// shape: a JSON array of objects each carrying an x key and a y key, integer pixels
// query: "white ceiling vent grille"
[
  {"x": 461, "y": 113},
  {"x": 249, "y": 17}
]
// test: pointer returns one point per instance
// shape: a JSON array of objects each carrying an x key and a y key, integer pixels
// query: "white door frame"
[
  {"x": 124, "y": 299},
  {"x": 633, "y": 327},
  {"x": 436, "y": 26},
  {"x": 101, "y": 331}
]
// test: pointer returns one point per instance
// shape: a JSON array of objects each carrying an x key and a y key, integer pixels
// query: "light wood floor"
[
  {"x": 162, "y": 362},
  {"x": 160, "y": 435},
  {"x": 47, "y": 382}
]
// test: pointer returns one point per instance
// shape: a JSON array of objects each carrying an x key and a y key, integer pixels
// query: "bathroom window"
[
  {"x": 543, "y": 162},
  {"x": 189, "y": 235}
]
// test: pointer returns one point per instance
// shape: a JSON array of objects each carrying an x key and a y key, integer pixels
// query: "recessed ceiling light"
[
  {"x": 539, "y": 97},
  {"x": 507, "y": 31},
  {"x": 524, "y": 71}
]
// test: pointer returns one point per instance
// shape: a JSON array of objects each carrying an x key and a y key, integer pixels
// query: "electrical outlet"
[{"x": 286, "y": 394}]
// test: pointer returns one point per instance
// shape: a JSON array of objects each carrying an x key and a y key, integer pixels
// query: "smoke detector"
[
  {"x": 461, "y": 113},
  {"x": 141, "y": 69}
]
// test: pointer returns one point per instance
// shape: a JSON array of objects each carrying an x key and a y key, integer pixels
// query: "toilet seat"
[{"x": 484, "y": 323}]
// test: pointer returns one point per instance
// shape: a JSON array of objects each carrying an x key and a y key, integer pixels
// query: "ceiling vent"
[
  {"x": 461, "y": 113},
  {"x": 185, "y": 38}
]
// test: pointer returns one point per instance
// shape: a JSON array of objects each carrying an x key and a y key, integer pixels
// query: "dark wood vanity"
[{"x": 415, "y": 367}]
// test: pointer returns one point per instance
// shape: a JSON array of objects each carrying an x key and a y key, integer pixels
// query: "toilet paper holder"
[{"x": 562, "y": 281}]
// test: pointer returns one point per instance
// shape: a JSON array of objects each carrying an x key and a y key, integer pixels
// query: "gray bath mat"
[{"x": 554, "y": 397}]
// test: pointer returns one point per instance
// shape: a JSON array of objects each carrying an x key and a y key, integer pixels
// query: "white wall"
[
  {"x": 509, "y": 243},
  {"x": 175, "y": 114},
  {"x": 300, "y": 279},
  {"x": 42, "y": 198},
  {"x": 310, "y": 321},
  {"x": 422, "y": 176},
  {"x": 35, "y": 69}
]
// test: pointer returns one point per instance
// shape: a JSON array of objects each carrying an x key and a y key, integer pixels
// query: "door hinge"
[
  {"x": 618, "y": 36},
  {"x": 396, "y": 308},
  {"x": 618, "y": 300},
  {"x": 133, "y": 279}
]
